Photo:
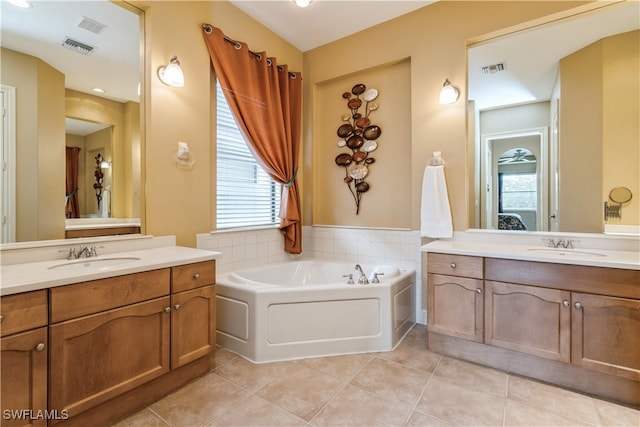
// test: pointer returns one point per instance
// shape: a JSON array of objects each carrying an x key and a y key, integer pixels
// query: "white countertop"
[
  {"x": 32, "y": 276},
  {"x": 93, "y": 223},
  {"x": 579, "y": 256}
]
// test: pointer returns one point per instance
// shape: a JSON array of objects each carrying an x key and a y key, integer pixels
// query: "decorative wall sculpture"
[{"x": 359, "y": 135}]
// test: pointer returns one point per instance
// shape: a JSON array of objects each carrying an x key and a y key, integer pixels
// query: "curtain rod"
[{"x": 209, "y": 28}]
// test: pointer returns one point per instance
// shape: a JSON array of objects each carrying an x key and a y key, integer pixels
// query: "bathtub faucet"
[{"x": 363, "y": 277}]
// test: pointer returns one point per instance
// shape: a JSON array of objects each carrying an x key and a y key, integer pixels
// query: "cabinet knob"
[
  {"x": 196, "y": 276},
  {"x": 453, "y": 265},
  {"x": 177, "y": 306},
  {"x": 167, "y": 309},
  {"x": 577, "y": 305},
  {"x": 565, "y": 303},
  {"x": 479, "y": 291},
  {"x": 40, "y": 347},
  {"x": 1, "y": 318}
]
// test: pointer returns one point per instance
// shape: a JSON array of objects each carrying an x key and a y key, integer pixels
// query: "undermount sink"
[
  {"x": 93, "y": 263},
  {"x": 567, "y": 252}
]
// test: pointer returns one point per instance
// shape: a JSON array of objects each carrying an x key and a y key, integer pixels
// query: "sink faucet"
[
  {"x": 83, "y": 252},
  {"x": 363, "y": 277},
  {"x": 564, "y": 244}
]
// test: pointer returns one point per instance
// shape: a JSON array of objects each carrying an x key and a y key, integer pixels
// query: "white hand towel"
[{"x": 435, "y": 215}]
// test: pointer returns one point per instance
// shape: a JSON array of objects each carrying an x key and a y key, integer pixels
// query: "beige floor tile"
[
  {"x": 617, "y": 415},
  {"x": 302, "y": 391},
  {"x": 519, "y": 414},
  {"x": 341, "y": 367},
  {"x": 221, "y": 356},
  {"x": 418, "y": 419},
  {"x": 553, "y": 399},
  {"x": 413, "y": 356},
  {"x": 199, "y": 402},
  {"x": 144, "y": 418},
  {"x": 460, "y": 405},
  {"x": 354, "y": 406},
  {"x": 250, "y": 376},
  {"x": 475, "y": 376},
  {"x": 417, "y": 336},
  {"x": 255, "y": 411},
  {"x": 392, "y": 380}
]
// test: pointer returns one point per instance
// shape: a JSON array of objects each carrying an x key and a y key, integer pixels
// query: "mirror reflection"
[
  {"x": 556, "y": 111},
  {"x": 71, "y": 73}
]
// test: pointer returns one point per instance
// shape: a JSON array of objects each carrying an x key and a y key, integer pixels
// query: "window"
[
  {"x": 518, "y": 191},
  {"x": 247, "y": 196}
]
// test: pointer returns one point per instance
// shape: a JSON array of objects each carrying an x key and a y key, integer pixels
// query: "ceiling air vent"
[
  {"x": 493, "y": 68},
  {"x": 92, "y": 25},
  {"x": 77, "y": 46}
]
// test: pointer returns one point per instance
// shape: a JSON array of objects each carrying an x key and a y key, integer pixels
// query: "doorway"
[{"x": 514, "y": 180}]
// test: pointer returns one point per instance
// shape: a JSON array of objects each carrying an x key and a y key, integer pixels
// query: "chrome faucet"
[
  {"x": 81, "y": 252},
  {"x": 363, "y": 277},
  {"x": 564, "y": 244}
]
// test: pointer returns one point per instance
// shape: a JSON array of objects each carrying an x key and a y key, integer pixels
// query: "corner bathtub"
[{"x": 306, "y": 308}]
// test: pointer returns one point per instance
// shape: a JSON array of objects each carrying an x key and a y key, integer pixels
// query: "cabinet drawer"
[
  {"x": 80, "y": 299},
  {"x": 191, "y": 276},
  {"x": 21, "y": 312},
  {"x": 597, "y": 280},
  {"x": 455, "y": 265}
]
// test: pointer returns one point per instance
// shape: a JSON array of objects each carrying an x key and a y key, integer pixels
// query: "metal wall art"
[{"x": 359, "y": 135}]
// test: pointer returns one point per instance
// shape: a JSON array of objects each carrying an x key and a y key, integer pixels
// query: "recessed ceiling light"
[
  {"x": 98, "y": 90},
  {"x": 302, "y": 3},
  {"x": 21, "y": 3}
]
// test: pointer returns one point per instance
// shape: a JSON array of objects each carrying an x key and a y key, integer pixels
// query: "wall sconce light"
[
  {"x": 448, "y": 93},
  {"x": 302, "y": 3},
  {"x": 105, "y": 164},
  {"x": 172, "y": 74}
]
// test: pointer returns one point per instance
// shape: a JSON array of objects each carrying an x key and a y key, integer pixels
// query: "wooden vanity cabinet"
[
  {"x": 120, "y": 343},
  {"x": 455, "y": 296},
  {"x": 23, "y": 359},
  {"x": 108, "y": 336},
  {"x": 194, "y": 312},
  {"x": 571, "y": 325}
]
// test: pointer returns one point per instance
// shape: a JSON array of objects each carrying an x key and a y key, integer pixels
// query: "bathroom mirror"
[
  {"x": 563, "y": 82},
  {"x": 65, "y": 60}
]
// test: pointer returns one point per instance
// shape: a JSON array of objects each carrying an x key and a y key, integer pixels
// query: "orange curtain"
[
  {"x": 72, "y": 207},
  {"x": 266, "y": 100}
]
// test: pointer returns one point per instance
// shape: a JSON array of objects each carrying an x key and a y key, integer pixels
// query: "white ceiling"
[{"x": 324, "y": 21}]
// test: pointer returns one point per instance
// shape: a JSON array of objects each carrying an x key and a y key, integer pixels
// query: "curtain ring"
[
  {"x": 280, "y": 68},
  {"x": 269, "y": 62},
  {"x": 293, "y": 76},
  {"x": 258, "y": 57},
  {"x": 207, "y": 28},
  {"x": 237, "y": 45}
]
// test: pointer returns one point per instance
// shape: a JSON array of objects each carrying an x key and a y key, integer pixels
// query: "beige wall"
[
  {"x": 599, "y": 112},
  {"x": 432, "y": 40},
  {"x": 40, "y": 184}
]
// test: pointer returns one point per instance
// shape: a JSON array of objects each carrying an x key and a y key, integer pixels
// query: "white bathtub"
[{"x": 306, "y": 308}]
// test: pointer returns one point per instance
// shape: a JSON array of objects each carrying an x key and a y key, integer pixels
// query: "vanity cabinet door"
[
  {"x": 528, "y": 319},
  {"x": 602, "y": 324},
  {"x": 193, "y": 325},
  {"x": 97, "y": 357},
  {"x": 454, "y": 306},
  {"x": 23, "y": 369}
]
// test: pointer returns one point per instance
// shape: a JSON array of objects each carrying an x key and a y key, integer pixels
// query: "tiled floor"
[{"x": 407, "y": 387}]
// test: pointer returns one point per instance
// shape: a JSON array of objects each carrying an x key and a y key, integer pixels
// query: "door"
[
  {"x": 192, "y": 325},
  {"x": 23, "y": 369},
  {"x": 528, "y": 319},
  {"x": 454, "y": 306},
  {"x": 602, "y": 324},
  {"x": 97, "y": 357}
]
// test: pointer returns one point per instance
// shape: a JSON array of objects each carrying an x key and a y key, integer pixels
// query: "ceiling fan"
[{"x": 518, "y": 156}]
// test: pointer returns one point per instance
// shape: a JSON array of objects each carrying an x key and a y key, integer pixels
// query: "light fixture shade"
[
  {"x": 172, "y": 74},
  {"x": 448, "y": 93},
  {"x": 105, "y": 165},
  {"x": 302, "y": 3}
]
